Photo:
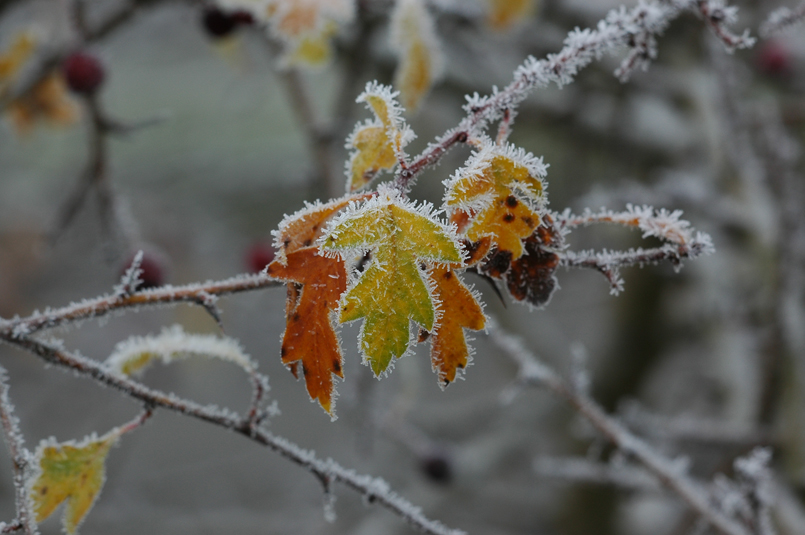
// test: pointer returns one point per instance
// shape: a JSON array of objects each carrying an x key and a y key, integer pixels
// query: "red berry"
[
  {"x": 436, "y": 466},
  {"x": 774, "y": 59},
  {"x": 258, "y": 256},
  {"x": 152, "y": 271},
  {"x": 84, "y": 72},
  {"x": 218, "y": 23}
]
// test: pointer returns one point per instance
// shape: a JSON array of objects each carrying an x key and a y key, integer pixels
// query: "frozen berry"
[
  {"x": 218, "y": 23},
  {"x": 152, "y": 271},
  {"x": 84, "y": 72},
  {"x": 243, "y": 18},
  {"x": 774, "y": 59},
  {"x": 259, "y": 256},
  {"x": 436, "y": 466}
]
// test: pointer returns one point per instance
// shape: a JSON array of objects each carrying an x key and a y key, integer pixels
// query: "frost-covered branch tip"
[
  {"x": 635, "y": 29},
  {"x": 781, "y": 19},
  {"x": 20, "y": 460},
  {"x": 534, "y": 372}
]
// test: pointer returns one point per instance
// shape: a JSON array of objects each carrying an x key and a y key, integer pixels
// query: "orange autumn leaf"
[
  {"x": 47, "y": 101},
  {"x": 310, "y": 336},
  {"x": 315, "y": 284},
  {"x": 459, "y": 310}
]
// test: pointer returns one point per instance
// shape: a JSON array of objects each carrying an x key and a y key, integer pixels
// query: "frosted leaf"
[
  {"x": 138, "y": 352},
  {"x": 413, "y": 37}
]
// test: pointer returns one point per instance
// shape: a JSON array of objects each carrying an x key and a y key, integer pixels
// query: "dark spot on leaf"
[
  {"x": 337, "y": 365},
  {"x": 448, "y": 275},
  {"x": 460, "y": 365},
  {"x": 295, "y": 317},
  {"x": 511, "y": 201},
  {"x": 508, "y": 218},
  {"x": 43, "y": 490},
  {"x": 307, "y": 242},
  {"x": 528, "y": 221},
  {"x": 304, "y": 369}
]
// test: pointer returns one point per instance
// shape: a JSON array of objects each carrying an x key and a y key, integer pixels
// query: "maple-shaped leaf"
[
  {"x": 378, "y": 144},
  {"x": 72, "y": 472},
  {"x": 393, "y": 290},
  {"x": 531, "y": 277},
  {"x": 315, "y": 284},
  {"x": 414, "y": 37},
  {"x": 503, "y": 14},
  {"x": 460, "y": 310},
  {"x": 499, "y": 193}
]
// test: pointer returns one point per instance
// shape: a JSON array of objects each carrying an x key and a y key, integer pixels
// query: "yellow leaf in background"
[
  {"x": 392, "y": 291},
  {"x": 48, "y": 101},
  {"x": 414, "y": 38},
  {"x": 12, "y": 61},
  {"x": 503, "y": 14},
  {"x": 72, "y": 472},
  {"x": 377, "y": 144},
  {"x": 313, "y": 49}
]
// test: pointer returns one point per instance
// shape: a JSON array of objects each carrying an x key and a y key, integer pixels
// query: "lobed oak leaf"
[
  {"x": 377, "y": 144},
  {"x": 315, "y": 284},
  {"x": 499, "y": 193},
  {"x": 393, "y": 290},
  {"x": 503, "y": 14},
  {"x": 71, "y": 472},
  {"x": 420, "y": 60}
]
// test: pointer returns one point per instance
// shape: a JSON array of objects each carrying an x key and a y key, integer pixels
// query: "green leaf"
[
  {"x": 393, "y": 290},
  {"x": 72, "y": 472}
]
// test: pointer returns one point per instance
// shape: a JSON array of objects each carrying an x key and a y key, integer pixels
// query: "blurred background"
[{"x": 216, "y": 146}]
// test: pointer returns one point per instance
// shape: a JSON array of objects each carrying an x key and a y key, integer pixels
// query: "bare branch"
[
  {"x": 534, "y": 372},
  {"x": 781, "y": 19},
  {"x": 19, "y": 459},
  {"x": 164, "y": 295},
  {"x": 373, "y": 489},
  {"x": 618, "y": 29}
]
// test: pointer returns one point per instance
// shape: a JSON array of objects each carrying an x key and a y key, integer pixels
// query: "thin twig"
[
  {"x": 19, "y": 459},
  {"x": 534, "y": 372},
  {"x": 164, "y": 295},
  {"x": 373, "y": 489},
  {"x": 581, "y": 48},
  {"x": 782, "y": 18}
]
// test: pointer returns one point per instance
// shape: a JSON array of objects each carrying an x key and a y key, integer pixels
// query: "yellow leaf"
[
  {"x": 499, "y": 193},
  {"x": 392, "y": 290},
  {"x": 503, "y": 14},
  {"x": 17, "y": 55},
  {"x": 414, "y": 38},
  {"x": 72, "y": 472},
  {"x": 378, "y": 145}
]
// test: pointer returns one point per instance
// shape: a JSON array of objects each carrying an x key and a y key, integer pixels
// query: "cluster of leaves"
[{"x": 397, "y": 265}]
